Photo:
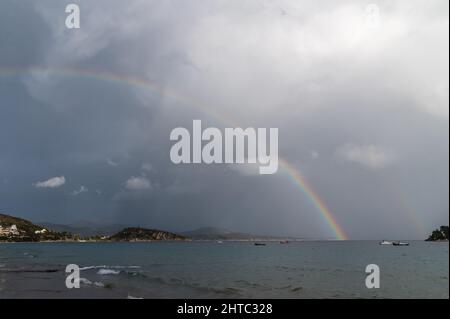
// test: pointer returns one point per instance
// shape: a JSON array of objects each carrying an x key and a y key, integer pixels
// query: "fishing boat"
[
  {"x": 259, "y": 244},
  {"x": 385, "y": 242},
  {"x": 399, "y": 243}
]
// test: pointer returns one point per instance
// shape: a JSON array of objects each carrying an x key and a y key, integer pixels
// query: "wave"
[
  {"x": 178, "y": 282},
  {"x": 108, "y": 267},
  {"x": 121, "y": 270},
  {"x": 87, "y": 282},
  {"x": 104, "y": 271}
]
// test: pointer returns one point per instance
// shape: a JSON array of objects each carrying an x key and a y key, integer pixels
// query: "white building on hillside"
[
  {"x": 13, "y": 230},
  {"x": 8, "y": 231}
]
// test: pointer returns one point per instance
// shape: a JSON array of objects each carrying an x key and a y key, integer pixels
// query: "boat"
[
  {"x": 259, "y": 244},
  {"x": 284, "y": 242},
  {"x": 399, "y": 243},
  {"x": 385, "y": 242},
  {"x": 220, "y": 242}
]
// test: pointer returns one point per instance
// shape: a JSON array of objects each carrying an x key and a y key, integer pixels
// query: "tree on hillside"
[{"x": 439, "y": 234}]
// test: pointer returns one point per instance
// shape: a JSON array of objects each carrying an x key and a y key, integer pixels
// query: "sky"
[{"x": 358, "y": 91}]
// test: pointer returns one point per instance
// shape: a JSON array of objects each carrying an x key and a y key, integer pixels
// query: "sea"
[{"x": 302, "y": 269}]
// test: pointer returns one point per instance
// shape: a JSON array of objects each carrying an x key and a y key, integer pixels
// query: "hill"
[
  {"x": 86, "y": 229},
  {"x": 18, "y": 229},
  {"x": 143, "y": 234},
  {"x": 439, "y": 234}
]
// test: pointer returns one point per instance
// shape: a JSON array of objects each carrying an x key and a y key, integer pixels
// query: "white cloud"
[
  {"x": 138, "y": 183},
  {"x": 82, "y": 189},
  {"x": 369, "y": 156},
  {"x": 54, "y": 182},
  {"x": 110, "y": 162}
]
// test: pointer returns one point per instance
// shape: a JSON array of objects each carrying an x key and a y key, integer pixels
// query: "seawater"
[{"x": 319, "y": 269}]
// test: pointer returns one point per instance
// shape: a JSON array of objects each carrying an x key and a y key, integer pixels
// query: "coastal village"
[{"x": 13, "y": 231}]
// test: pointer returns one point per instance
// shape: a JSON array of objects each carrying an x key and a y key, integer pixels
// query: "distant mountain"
[
  {"x": 92, "y": 230},
  {"x": 86, "y": 229},
  {"x": 18, "y": 229},
  {"x": 138, "y": 234},
  {"x": 213, "y": 233},
  {"x": 207, "y": 231}
]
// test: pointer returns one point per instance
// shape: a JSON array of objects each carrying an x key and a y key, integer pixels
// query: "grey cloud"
[
  {"x": 83, "y": 189},
  {"x": 138, "y": 183},
  {"x": 310, "y": 68}
]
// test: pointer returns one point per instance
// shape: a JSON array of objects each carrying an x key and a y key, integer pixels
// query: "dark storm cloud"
[
  {"x": 24, "y": 34},
  {"x": 362, "y": 114}
]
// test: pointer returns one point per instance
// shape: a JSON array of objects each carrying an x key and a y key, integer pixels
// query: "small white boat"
[
  {"x": 220, "y": 242},
  {"x": 385, "y": 242}
]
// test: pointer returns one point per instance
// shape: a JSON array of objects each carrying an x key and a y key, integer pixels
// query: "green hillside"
[
  {"x": 137, "y": 234},
  {"x": 26, "y": 231}
]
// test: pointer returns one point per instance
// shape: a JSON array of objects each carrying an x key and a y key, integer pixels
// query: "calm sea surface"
[{"x": 227, "y": 270}]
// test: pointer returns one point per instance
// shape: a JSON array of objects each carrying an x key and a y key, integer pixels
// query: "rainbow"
[
  {"x": 309, "y": 191},
  {"x": 294, "y": 173}
]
